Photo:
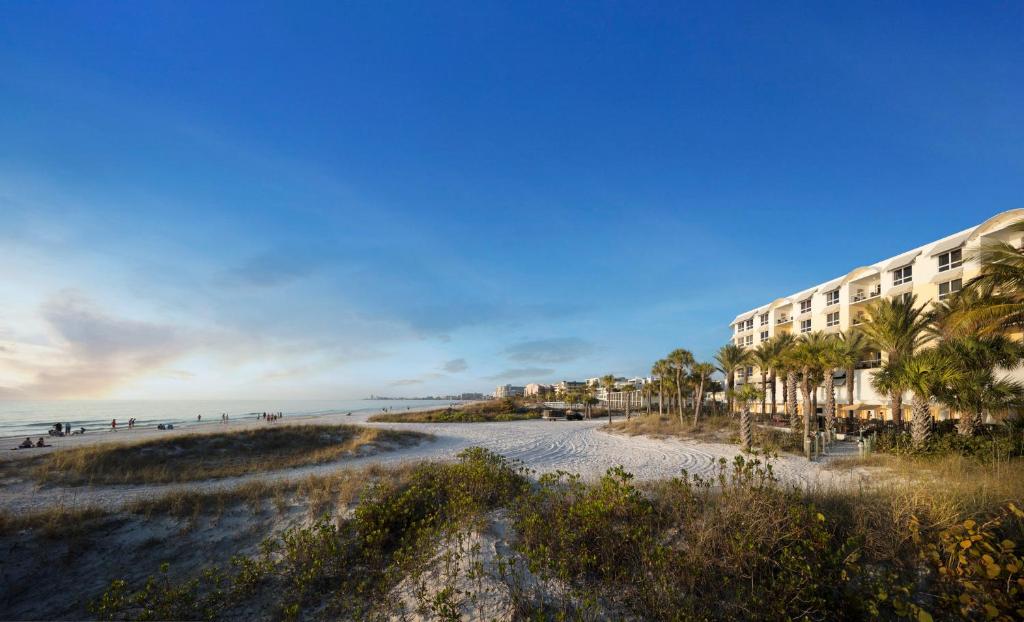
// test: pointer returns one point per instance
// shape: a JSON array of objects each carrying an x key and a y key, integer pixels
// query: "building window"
[
  {"x": 764, "y": 335},
  {"x": 949, "y": 288},
  {"x": 904, "y": 297},
  {"x": 805, "y": 326},
  {"x": 832, "y": 319},
  {"x": 805, "y": 306},
  {"x": 950, "y": 260},
  {"x": 832, "y": 297},
  {"x": 750, "y": 324},
  {"x": 750, "y": 340},
  {"x": 764, "y": 319},
  {"x": 902, "y": 275}
]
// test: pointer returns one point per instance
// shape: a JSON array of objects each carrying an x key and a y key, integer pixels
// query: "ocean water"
[{"x": 33, "y": 418}]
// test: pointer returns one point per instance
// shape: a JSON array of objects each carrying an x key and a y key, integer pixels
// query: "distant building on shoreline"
[
  {"x": 537, "y": 389},
  {"x": 508, "y": 390}
]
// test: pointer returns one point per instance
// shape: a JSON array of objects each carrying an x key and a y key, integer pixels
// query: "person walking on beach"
[
  {"x": 113, "y": 425},
  {"x": 67, "y": 429},
  {"x": 199, "y": 418}
]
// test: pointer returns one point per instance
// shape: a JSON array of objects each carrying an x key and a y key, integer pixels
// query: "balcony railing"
[
  {"x": 784, "y": 320},
  {"x": 869, "y": 364},
  {"x": 861, "y": 296}
]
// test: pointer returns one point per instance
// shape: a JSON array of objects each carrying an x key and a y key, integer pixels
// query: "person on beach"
[
  {"x": 113, "y": 425},
  {"x": 41, "y": 443},
  {"x": 199, "y": 418},
  {"x": 26, "y": 444}
]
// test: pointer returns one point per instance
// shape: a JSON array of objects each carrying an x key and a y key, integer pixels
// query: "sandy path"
[{"x": 544, "y": 446}]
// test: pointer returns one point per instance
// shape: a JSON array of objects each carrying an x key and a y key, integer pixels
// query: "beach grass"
[
  {"x": 475, "y": 412},
  {"x": 712, "y": 428},
  {"x": 195, "y": 457}
]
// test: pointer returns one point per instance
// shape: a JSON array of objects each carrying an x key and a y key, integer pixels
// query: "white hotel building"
[{"x": 932, "y": 272}]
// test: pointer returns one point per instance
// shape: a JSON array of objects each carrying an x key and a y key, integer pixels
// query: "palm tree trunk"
[
  {"x": 969, "y": 423},
  {"x": 661, "y": 399},
  {"x": 771, "y": 379},
  {"x": 730, "y": 384},
  {"x": 897, "y": 407},
  {"x": 805, "y": 385},
  {"x": 764, "y": 392},
  {"x": 921, "y": 424},
  {"x": 794, "y": 417},
  {"x": 746, "y": 428},
  {"x": 679, "y": 395},
  {"x": 700, "y": 402},
  {"x": 850, "y": 372},
  {"x": 830, "y": 400}
]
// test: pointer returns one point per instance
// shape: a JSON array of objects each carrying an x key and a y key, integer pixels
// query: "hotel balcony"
[
  {"x": 870, "y": 364},
  {"x": 783, "y": 320},
  {"x": 861, "y": 296}
]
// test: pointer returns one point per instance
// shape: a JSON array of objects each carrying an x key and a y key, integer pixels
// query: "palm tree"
[
  {"x": 925, "y": 374},
  {"x": 896, "y": 328},
  {"x": 701, "y": 374},
  {"x": 648, "y": 392},
  {"x": 626, "y": 392},
  {"x": 780, "y": 344},
  {"x": 730, "y": 357},
  {"x": 608, "y": 382},
  {"x": 850, "y": 349},
  {"x": 661, "y": 370},
  {"x": 680, "y": 360},
  {"x": 1001, "y": 282},
  {"x": 807, "y": 357},
  {"x": 831, "y": 362},
  {"x": 763, "y": 356},
  {"x": 978, "y": 389},
  {"x": 746, "y": 395}
]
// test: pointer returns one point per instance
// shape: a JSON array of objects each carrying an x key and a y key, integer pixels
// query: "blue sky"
[{"x": 332, "y": 199}]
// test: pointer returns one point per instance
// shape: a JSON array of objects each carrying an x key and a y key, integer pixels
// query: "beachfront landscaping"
[
  {"x": 473, "y": 412},
  {"x": 481, "y": 538},
  {"x": 193, "y": 457}
]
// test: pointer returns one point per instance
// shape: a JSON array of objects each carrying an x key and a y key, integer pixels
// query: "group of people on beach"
[
  {"x": 131, "y": 424},
  {"x": 271, "y": 416},
  {"x": 27, "y": 443}
]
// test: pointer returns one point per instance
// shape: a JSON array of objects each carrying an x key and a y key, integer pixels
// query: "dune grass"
[
  {"x": 195, "y": 457},
  {"x": 713, "y": 428},
  {"x": 475, "y": 412}
]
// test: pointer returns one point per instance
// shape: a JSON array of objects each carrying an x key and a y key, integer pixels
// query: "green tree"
[
  {"x": 701, "y": 375},
  {"x": 680, "y": 361},
  {"x": 763, "y": 357},
  {"x": 608, "y": 382},
  {"x": 730, "y": 357},
  {"x": 926, "y": 375},
  {"x": 896, "y": 328},
  {"x": 808, "y": 357},
  {"x": 746, "y": 395}
]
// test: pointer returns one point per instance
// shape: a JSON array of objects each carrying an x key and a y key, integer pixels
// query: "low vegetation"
[
  {"x": 473, "y": 412},
  {"x": 204, "y": 456},
  {"x": 717, "y": 428},
  {"x": 938, "y": 540}
]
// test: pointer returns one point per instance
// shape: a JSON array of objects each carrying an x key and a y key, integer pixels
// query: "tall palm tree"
[
  {"x": 608, "y": 382},
  {"x": 831, "y": 363},
  {"x": 648, "y": 393},
  {"x": 763, "y": 357},
  {"x": 701, "y": 375},
  {"x": 850, "y": 350},
  {"x": 925, "y": 374},
  {"x": 780, "y": 344},
  {"x": 896, "y": 328},
  {"x": 730, "y": 357},
  {"x": 807, "y": 357},
  {"x": 681, "y": 360},
  {"x": 660, "y": 369},
  {"x": 626, "y": 392}
]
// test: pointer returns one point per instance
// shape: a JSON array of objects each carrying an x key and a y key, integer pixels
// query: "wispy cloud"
[
  {"x": 92, "y": 352},
  {"x": 455, "y": 366},
  {"x": 556, "y": 350},
  {"x": 522, "y": 373}
]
